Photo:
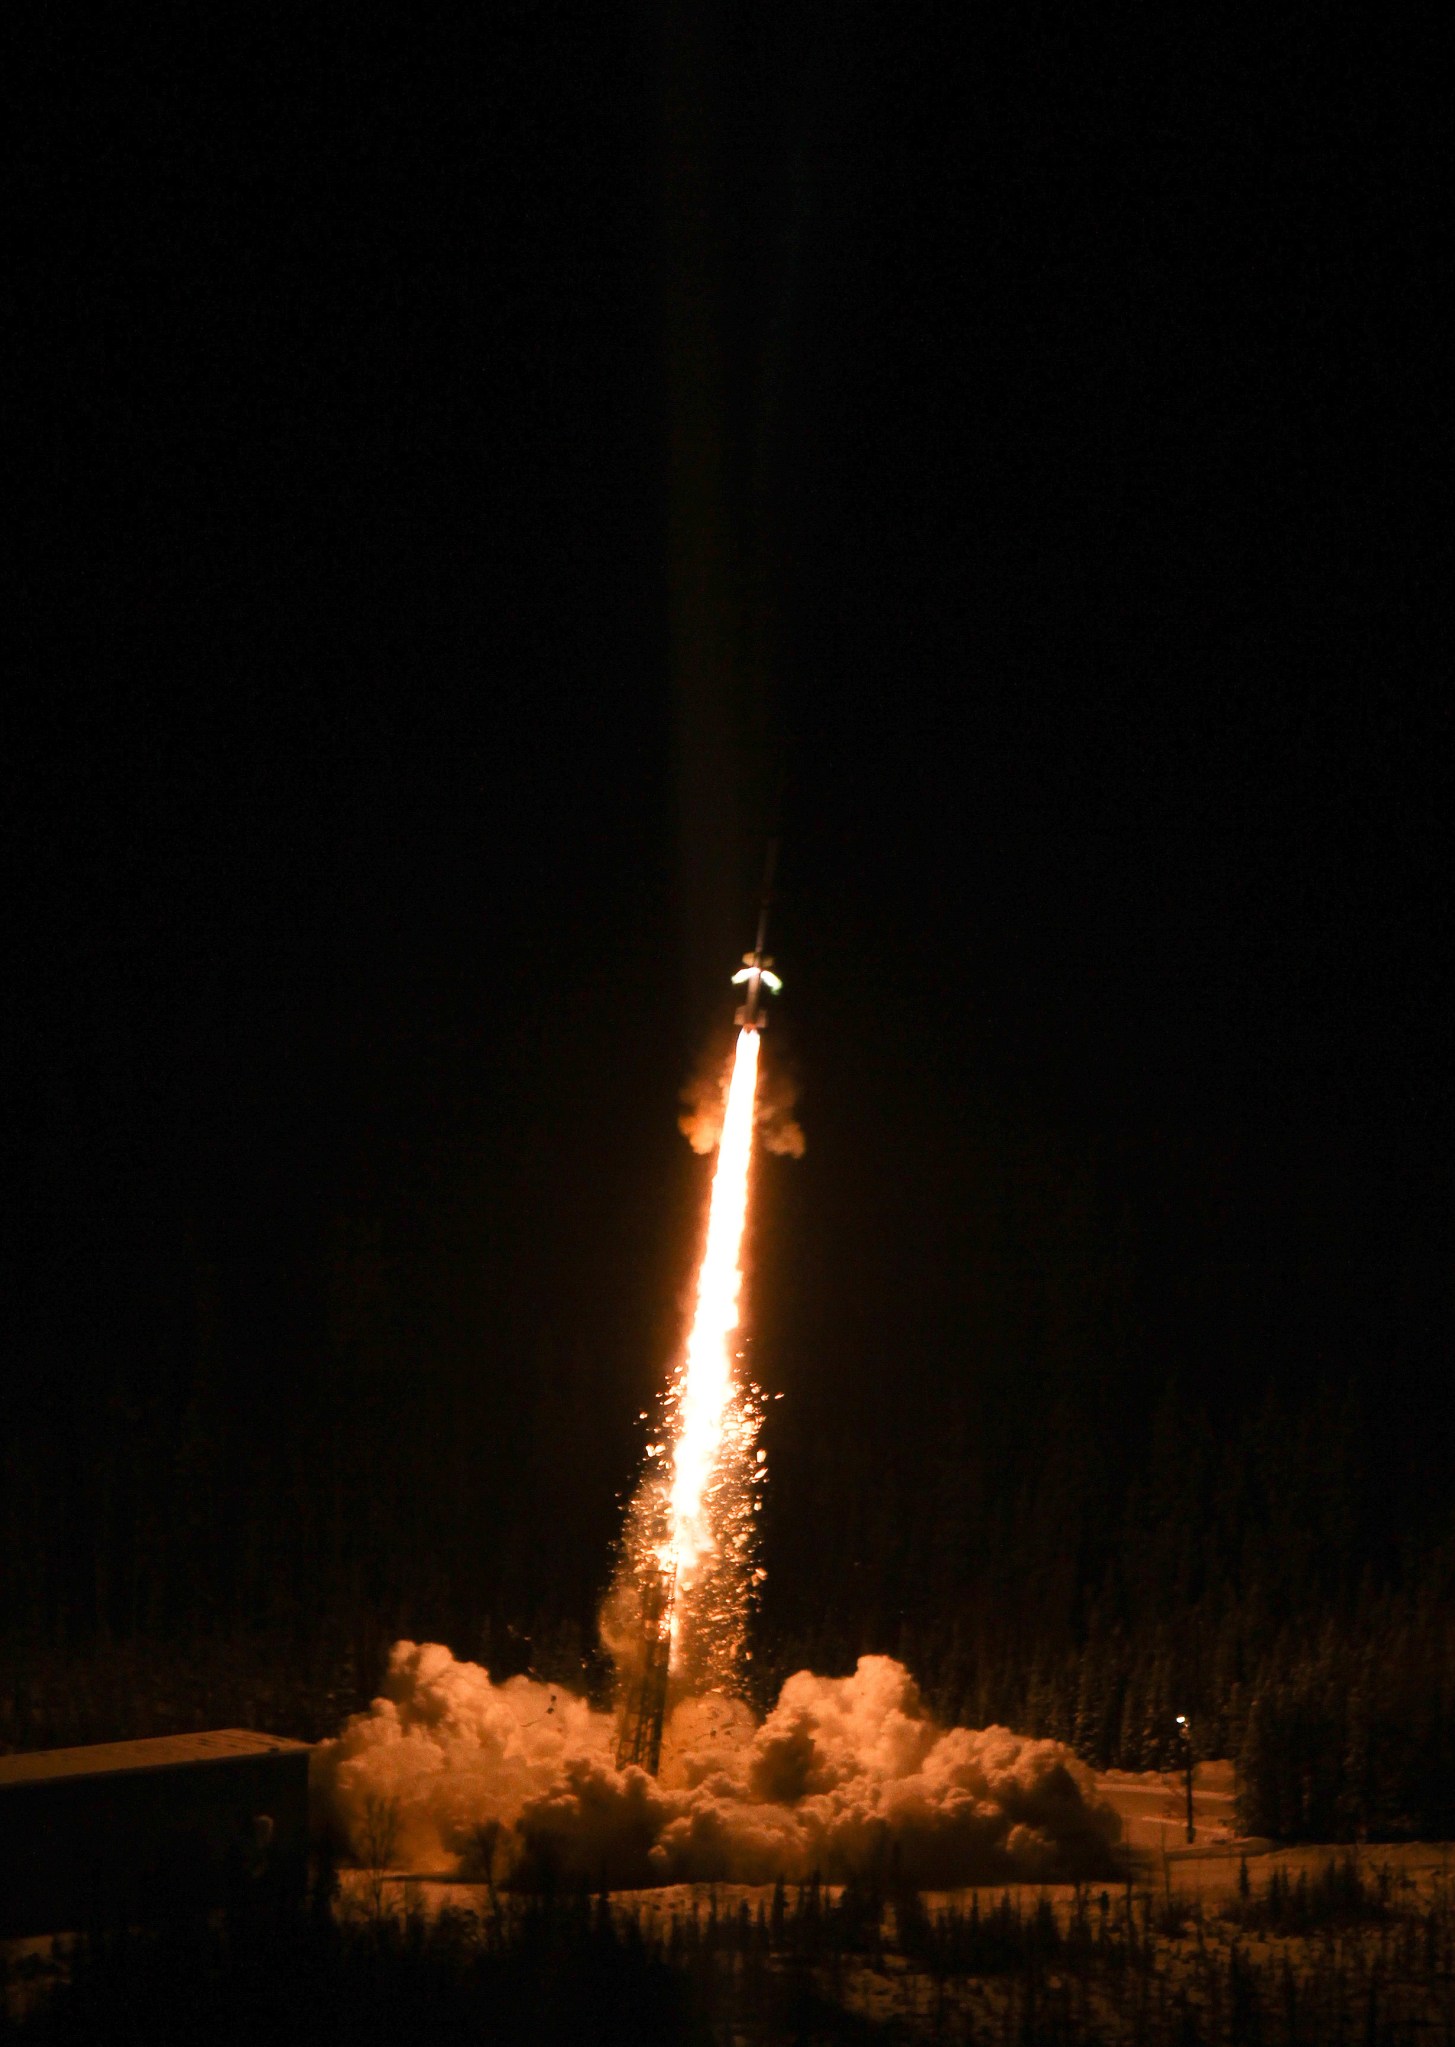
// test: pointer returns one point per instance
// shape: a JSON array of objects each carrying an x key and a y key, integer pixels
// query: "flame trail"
[
  {"x": 678, "y": 1608},
  {"x": 702, "y": 1397}
]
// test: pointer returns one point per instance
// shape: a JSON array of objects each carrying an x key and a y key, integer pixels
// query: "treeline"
[
  {"x": 1284, "y": 1580},
  {"x": 353, "y": 1486},
  {"x": 1350, "y": 1958},
  {"x": 1283, "y": 1576}
]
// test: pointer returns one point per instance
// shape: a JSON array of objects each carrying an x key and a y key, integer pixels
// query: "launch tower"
[{"x": 639, "y": 1738}]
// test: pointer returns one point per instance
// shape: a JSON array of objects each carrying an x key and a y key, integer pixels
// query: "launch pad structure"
[{"x": 639, "y": 1737}]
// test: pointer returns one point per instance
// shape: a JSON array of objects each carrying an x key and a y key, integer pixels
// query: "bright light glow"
[{"x": 705, "y": 1397}]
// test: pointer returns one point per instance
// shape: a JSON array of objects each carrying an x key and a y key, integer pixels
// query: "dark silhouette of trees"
[{"x": 259, "y": 1486}]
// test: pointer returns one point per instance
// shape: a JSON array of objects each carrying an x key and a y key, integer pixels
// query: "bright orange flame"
[{"x": 703, "y": 1396}]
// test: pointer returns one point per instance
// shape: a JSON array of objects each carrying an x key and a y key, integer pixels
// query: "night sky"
[{"x": 474, "y": 481}]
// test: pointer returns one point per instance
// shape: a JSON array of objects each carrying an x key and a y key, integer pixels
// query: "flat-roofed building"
[{"x": 129, "y": 1830}]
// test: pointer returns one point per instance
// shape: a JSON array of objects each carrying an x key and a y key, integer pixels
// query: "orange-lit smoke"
[
  {"x": 846, "y": 1774},
  {"x": 705, "y": 1404}
]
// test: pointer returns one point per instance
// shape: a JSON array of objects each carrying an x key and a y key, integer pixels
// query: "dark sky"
[{"x": 1068, "y": 531}]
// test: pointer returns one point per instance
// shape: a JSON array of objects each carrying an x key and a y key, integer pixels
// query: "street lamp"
[{"x": 1184, "y": 1729}]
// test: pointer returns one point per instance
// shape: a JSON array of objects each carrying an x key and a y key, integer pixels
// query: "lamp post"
[{"x": 1184, "y": 1729}]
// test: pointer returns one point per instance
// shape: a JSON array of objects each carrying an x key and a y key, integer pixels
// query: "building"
[{"x": 134, "y": 1830}]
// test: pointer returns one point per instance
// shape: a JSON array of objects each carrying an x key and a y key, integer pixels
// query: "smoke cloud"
[
  {"x": 845, "y": 1776},
  {"x": 777, "y": 1127}
]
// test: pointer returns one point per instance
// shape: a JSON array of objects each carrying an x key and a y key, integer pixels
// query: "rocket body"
[{"x": 756, "y": 972}]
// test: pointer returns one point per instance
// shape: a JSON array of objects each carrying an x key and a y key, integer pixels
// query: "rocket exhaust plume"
[
  {"x": 705, "y": 1385},
  {"x": 688, "y": 1530},
  {"x": 678, "y": 1609}
]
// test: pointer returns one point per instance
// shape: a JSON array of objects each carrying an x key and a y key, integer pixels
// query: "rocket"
[{"x": 756, "y": 972}]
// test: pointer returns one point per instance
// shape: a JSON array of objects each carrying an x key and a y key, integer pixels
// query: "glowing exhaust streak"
[{"x": 703, "y": 1397}]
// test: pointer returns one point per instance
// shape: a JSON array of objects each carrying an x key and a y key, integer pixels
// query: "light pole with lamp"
[{"x": 1184, "y": 1730}]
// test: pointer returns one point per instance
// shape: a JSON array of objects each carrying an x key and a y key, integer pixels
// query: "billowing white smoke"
[{"x": 845, "y": 1776}]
